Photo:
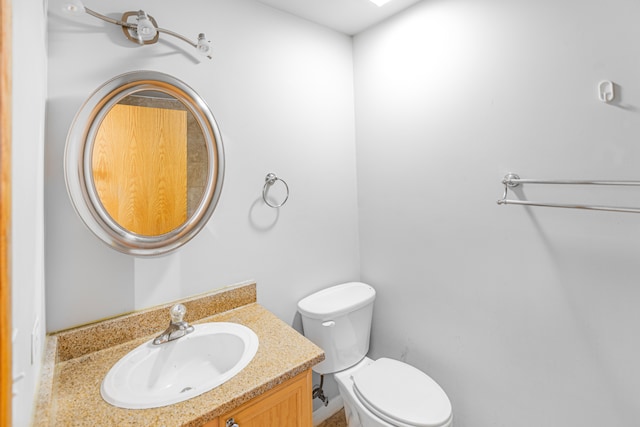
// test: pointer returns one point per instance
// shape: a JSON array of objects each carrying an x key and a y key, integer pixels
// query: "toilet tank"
[{"x": 338, "y": 320}]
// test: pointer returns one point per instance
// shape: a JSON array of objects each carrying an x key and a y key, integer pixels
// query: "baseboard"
[{"x": 323, "y": 413}]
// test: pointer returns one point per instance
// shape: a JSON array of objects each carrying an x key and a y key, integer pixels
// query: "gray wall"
[
  {"x": 526, "y": 316},
  {"x": 27, "y": 235},
  {"x": 281, "y": 90}
]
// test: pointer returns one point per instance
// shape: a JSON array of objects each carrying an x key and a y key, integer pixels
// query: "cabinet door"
[{"x": 287, "y": 405}]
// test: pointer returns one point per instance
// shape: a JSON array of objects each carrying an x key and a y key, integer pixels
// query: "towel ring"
[{"x": 269, "y": 180}]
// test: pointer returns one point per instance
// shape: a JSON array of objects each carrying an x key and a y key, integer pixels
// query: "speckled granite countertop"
[{"x": 77, "y": 360}]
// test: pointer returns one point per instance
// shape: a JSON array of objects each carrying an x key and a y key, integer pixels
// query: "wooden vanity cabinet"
[{"x": 286, "y": 405}]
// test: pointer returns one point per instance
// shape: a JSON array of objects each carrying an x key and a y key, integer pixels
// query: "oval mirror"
[{"x": 144, "y": 163}]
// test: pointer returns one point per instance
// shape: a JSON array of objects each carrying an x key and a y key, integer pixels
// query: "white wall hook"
[{"x": 605, "y": 91}]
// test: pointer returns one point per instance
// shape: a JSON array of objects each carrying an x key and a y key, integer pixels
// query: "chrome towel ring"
[{"x": 269, "y": 180}]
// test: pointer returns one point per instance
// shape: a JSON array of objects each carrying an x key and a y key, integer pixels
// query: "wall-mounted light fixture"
[{"x": 139, "y": 27}]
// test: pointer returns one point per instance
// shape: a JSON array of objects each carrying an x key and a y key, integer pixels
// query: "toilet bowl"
[
  {"x": 376, "y": 393},
  {"x": 390, "y": 393}
]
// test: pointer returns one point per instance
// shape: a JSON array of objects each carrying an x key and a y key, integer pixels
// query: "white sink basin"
[{"x": 151, "y": 376}]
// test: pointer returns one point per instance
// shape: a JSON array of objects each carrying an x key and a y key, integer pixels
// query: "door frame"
[{"x": 6, "y": 376}]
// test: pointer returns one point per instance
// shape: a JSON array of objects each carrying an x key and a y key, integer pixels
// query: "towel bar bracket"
[{"x": 508, "y": 180}]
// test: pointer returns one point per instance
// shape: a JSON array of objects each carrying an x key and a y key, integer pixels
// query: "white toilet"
[{"x": 380, "y": 393}]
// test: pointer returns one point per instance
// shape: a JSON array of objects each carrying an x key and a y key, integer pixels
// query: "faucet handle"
[{"x": 177, "y": 313}]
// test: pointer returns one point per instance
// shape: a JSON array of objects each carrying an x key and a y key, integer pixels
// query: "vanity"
[
  {"x": 273, "y": 389},
  {"x": 144, "y": 168}
]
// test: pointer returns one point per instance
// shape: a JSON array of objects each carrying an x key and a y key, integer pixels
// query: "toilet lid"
[{"x": 402, "y": 394}]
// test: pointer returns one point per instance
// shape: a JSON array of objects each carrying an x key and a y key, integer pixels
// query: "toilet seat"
[{"x": 402, "y": 395}]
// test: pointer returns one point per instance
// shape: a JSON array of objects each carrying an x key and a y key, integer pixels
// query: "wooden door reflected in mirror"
[{"x": 140, "y": 168}]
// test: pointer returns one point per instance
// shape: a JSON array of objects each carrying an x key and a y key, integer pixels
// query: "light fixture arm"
[
  {"x": 202, "y": 45},
  {"x": 109, "y": 20},
  {"x": 176, "y": 35}
]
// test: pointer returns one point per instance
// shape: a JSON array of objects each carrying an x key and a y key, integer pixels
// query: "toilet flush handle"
[{"x": 329, "y": 324}]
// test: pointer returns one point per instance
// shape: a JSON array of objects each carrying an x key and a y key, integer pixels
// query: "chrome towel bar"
[{"x": 512, "y": 180}]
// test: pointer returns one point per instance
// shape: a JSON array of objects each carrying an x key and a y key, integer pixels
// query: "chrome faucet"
[{"x": 178, "y": 328}]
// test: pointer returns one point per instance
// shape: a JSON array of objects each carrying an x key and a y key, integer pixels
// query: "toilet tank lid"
[{"x": 336, "y": 300}]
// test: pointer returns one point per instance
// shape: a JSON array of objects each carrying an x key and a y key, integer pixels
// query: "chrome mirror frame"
[{"x": 78, "y": 164}]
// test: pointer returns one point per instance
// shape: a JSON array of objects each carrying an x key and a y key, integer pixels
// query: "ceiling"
[{"x": 347, "y": 16}]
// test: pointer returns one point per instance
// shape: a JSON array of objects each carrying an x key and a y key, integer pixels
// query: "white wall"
[
  {"x": 27, "y": 244},
  {"x": 281, "y": 90},
  {"x": 526, "y": 316}
]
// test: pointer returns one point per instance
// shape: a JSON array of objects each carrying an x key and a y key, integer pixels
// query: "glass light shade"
[
  {"x": 146, "y": 30},
  {"x": 203, "y": 46}
]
